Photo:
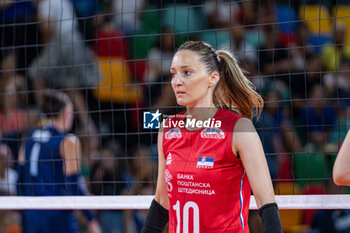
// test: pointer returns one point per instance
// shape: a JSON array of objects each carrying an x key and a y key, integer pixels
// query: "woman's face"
[{"x": 191, "y": 83}]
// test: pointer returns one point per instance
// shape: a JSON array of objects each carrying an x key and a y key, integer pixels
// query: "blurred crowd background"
[{"x": 112, "y": 57}]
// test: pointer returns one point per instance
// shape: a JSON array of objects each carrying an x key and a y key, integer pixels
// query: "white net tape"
[{"x": 143, "y": 202}]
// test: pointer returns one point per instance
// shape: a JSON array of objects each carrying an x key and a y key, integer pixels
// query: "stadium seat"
[
  {"x": 181, "y": 18},
  {"x": 287, "y": 39},
  {"x": 291, "y": 220},
  {"x": 287, "y": 18},
  {"x": 319, "y": 41},
  {"x": 143, "y": 43},
  {"x": 114, "y": 84},
  {"x": 311, "y": 190},
  {"x": 287, "y": 188},
  {"x": 217, "y": 39},
  {"x": 342, "y": 13},
  {"x": 338, "y": 134},
  {"x": 284, "y": 166},
  {"x": 316, "y": 17},
  {"x": 148, "y": 34},
  {"x": 151, "y": 19},
  {"x": 311, "y": 165}
]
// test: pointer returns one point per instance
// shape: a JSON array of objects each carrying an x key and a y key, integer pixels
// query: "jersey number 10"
[{"x": 185, "y": 214}]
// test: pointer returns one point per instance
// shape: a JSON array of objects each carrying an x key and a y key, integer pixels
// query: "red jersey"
[{"x": 207, "y": 185}]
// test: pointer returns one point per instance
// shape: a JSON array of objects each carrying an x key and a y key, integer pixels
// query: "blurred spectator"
[
  {"x": 276, "y": 133},
  {"x": 333, "y": 54},
  {"x": 311, "y": 164},
  {"x": 19, "y": 30},
  {"x": 318, "y": 115},
  {"x": 108, "y": 177},
  {"x": 116, "y": 91},
  {"x": 50, "y": 155},
  {"x": 268, "y": 129},
  {"x": 257, "y": 12},
  {"x": 8, "y": 176},
  {"x": 339, "y": 132},
  {"x": 16, "y": 116},
  {"x": 245, "y": 53},
  {"x": 166, "y": 103},
  {"x": 65, "y": 62},
  {"x": 300, "y": 84},
  {"x": 143, "y": 169},
  {"x": 164, "y": 2},
  {"x": 266, "y": 11},
  {"x": 144, "y": 172},
  {"x": 127, "y": 14},
  {"x": 10, "y": 68},
  {"x": 335, "y": 221},
  {"x": 242, "y": 50},
  {"x": 338, "y": 83},
  {"x": 108, "y": 172},
  {"x": 11, "y": 114},
  {"x": 9, "y": 220},
  {"x": 7, "y": 64},
  {"x": 300, "y": 48},
  {"x": 248, "y": 13},
  {"x": 159, "y": 62},
  {"x": 314, "y": 76},
  {"x": 273, "y": 57},
  {"x": 12, "y": 11},
  {"x": 220, "y": 14},
  {"x": 90, "y": 150},
  {"x": 251, "y": 15},
  {"x": 110, "y": 40},
  {"x": 85, "y": 10}
]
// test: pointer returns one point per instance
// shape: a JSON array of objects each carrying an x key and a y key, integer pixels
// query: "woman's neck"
[
  {"x": 201, "y": 113},
  {"x": 202, "y": 109},
  {"x": 56, "y": 124}
]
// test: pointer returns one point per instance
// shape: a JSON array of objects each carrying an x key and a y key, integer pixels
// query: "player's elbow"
[
  {"x": 162, "y": 200},
  {"x": 341, "y": 178},
  {"x": 338, "y": 180}
]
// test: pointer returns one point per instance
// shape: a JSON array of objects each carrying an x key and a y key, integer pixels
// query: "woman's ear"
[{"x": 214, "y": 79}]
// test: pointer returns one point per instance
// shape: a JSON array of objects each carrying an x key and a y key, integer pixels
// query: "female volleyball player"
[
  {"x": 207, "y": 169},
  {"x": 49, "y": 166},
  {"x": 341, "y": 171}
]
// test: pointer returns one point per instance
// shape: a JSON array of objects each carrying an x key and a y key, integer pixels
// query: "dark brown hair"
[
  {"x": 233, "y": 91},
  {"x": 53, "y": 103}
]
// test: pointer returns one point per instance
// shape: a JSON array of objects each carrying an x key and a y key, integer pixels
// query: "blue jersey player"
[{"x": 49, "y": 166}]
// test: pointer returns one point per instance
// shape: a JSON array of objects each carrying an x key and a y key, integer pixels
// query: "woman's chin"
[{"x": 181, "y": 102}]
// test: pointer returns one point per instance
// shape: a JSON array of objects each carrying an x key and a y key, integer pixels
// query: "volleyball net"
[
  {"x": 143, "y": 202},
  {"x": 113, "y": 57}
]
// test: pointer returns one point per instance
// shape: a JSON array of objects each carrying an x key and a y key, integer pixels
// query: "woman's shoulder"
[
  {"x": 71, "y": 137},
  {"x": 229, "y": 119},
  {"x": 229, "y": 114}
]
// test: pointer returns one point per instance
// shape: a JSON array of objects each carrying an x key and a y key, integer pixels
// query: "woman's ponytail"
[{"x": 234, "y": 91}]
